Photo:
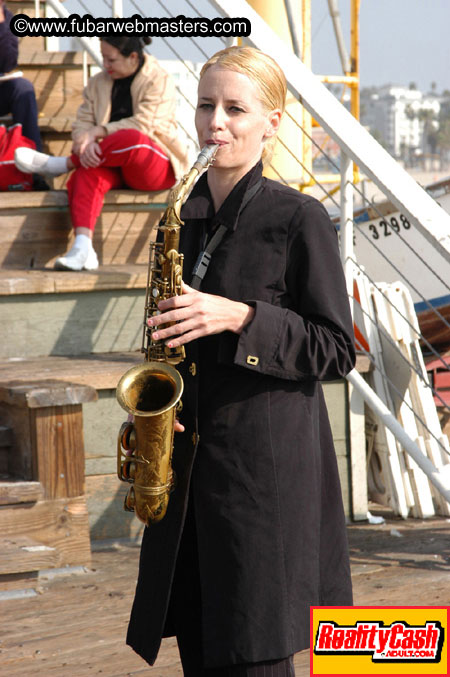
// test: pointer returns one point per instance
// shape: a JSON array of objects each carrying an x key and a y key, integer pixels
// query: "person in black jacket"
[
  {"x": 254, "y": 533},
  {"x": 17, "y": 94}
]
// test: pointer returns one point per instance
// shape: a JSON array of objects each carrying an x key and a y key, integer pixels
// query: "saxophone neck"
[
  {"x": 179, "y": 193},
  {"x": 177, "y": 196}
]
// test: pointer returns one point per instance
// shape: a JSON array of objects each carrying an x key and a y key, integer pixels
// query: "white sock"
[
  {"x": 83, "y": 242},
  {"x": 57, "y": 165}
]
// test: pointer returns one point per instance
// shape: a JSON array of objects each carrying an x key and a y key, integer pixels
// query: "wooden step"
[
  {"x": 62, "y": 313},
  {"x": 101, "y": 371},
  {"x": 29, "y": 200},
  {"x": 16, "y": 491},
  {"x": 23, "y": 554},
  {"x": 48, "y": 281},
  {"x": 35, "y": 227},
  {"x": 22, "y": 6},
  {"x": 57, "y": 78},
  {"x": 48, "y": 124},
  {"x": 44, "y": 535},
  {"x": 41, "y": 59},
  {"x": 27, "y": 44}
]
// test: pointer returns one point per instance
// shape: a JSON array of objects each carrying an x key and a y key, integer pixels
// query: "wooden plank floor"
[{"x": 75, "y": 626}]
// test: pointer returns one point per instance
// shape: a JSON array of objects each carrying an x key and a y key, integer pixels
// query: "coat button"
[
  {"x": 251, "y": 359},
  {"x": 193, "y": 369}
]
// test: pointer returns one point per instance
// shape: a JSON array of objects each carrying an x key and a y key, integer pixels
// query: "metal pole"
[
  {"x": 117, "y": 8},
  {"x": 354, "y": 61},
  {"x": 306, "y": 116},
  {"x": 378, "y": 406},
  {"x": 342, "y": 49},
  {"x": 347, "y": 222},
  {"x": 293, "y": 22}
]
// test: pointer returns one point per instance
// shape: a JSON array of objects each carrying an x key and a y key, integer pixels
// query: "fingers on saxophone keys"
[
  {"x": 173, "y": 330},
  {"x": 161, "y": 318}
]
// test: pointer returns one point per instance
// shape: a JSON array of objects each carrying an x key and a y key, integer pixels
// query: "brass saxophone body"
[{"x": 151, "y": 392}]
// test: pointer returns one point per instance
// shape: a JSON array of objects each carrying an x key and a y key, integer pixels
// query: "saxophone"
[{"x": 151, "y": 392}]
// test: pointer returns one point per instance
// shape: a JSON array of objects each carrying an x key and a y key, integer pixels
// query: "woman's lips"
[{"x": 211, "y": 142}]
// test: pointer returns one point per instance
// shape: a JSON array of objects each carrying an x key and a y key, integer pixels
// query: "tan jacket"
[{"x": 153, "y": 98}]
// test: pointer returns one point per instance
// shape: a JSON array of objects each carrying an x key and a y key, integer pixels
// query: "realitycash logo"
[
  {"x": 398, "y": 642},
  {"x": 379, "y": 641}
]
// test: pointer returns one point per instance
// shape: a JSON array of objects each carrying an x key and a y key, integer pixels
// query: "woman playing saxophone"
[{"x": 254, "y": 533}]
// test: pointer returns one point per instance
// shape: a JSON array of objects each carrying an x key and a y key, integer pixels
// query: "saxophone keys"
[{"x": 127, "y": 436}]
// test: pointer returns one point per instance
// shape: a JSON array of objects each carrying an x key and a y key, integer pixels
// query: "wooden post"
[
  {"x": 47, "y": 423},
  {"x": 43, "y": 506}
]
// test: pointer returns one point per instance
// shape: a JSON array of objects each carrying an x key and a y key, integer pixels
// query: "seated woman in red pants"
[{"x": 125, "y": 135}]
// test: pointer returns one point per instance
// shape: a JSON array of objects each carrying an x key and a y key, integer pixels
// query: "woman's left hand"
[
  {"x": 91, "y": 155},
  {"x": 197, "y": 314}
]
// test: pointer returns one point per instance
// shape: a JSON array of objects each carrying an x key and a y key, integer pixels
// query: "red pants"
[{"x": 130, "y": 160}]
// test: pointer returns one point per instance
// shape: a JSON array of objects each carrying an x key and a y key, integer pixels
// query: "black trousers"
[
  {"x": 184, "y": 617},
  {"x": 18, "y": 98}
]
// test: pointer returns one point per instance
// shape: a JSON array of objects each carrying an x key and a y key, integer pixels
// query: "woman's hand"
[
  {"x": 178, "y": 427},
  {"x": 198, "y": 314},
  {"x": 91, "y": 155},
  {"x": 83, "y": 139}
]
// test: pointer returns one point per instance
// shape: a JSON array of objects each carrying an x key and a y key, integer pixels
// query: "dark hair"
[{"x": 128, "y": 44}]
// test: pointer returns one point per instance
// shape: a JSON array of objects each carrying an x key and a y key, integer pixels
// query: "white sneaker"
[
  {"x": 77, "y": 259},
  {"x": 32, "y": 162}
]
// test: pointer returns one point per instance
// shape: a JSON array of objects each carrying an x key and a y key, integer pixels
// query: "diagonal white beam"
[
  {"x": 432, "y": 221},
  {"x": 88, "y": 43},
  {"x": 439, "y": 478}
]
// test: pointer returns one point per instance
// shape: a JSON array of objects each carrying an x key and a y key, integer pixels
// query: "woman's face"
[
  {"x": 230, "y": 113},
  {"x": 116, "y": 64}
]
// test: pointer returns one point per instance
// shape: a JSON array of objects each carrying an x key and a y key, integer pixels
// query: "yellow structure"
[
  {"x": 295, "y": 137},
  {"x": 292, "y": 152}
]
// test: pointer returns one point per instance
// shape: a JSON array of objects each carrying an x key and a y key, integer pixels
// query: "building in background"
[{"x": 404, "y": 120}]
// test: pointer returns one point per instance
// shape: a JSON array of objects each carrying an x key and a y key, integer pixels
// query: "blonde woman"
[{"x": 255, "y": 531}]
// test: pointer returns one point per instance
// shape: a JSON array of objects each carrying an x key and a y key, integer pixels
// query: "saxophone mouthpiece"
[{"x": 206, "y": 155}]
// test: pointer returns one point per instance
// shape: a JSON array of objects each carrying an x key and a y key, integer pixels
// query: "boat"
[{"x": 389, "y": 249}]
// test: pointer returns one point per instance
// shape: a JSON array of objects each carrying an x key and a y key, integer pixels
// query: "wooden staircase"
[{"x": 65, "y": 340}]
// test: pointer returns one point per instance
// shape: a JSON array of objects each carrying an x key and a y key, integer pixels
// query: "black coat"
[{"x": 268, "y": 507}]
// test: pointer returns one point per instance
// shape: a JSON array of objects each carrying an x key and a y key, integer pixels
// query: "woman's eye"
[
  {"x": 205, "y": 106},
  {"x": 236, "y": 109}
]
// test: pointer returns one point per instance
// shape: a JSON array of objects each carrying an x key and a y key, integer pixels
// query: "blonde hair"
[{"x": 263, "y": 71}]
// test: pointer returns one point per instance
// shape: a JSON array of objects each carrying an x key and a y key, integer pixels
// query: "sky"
[{"x": 401, "y": 41}]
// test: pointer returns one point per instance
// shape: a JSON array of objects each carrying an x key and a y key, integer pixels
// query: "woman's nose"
[{"x": 218, "y": 118}]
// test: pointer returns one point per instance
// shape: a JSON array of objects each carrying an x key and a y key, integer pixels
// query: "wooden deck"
[{"x": 75, "y": 624}]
